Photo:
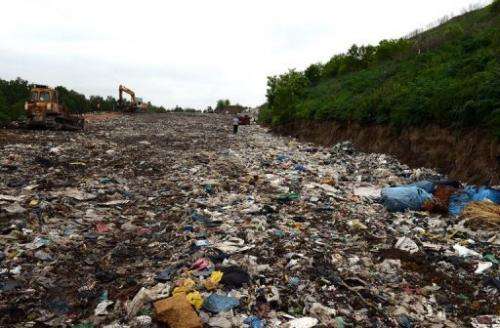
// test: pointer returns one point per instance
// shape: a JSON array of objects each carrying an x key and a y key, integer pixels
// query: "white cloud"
[{"x": 192, "y": 52}]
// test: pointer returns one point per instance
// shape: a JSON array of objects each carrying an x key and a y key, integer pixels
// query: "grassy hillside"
[{"x": 448, "y": 76}]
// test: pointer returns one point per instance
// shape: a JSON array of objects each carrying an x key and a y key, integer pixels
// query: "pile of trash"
[
  {"x": 170, "y": 219},
  {"x": 439, "y": 197}
]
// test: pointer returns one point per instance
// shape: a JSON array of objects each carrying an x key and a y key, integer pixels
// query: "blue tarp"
[
  {"x": 426, "y": 185},
  {"x": 460, "y": 200},
  {"x": 399, "y": 199}
]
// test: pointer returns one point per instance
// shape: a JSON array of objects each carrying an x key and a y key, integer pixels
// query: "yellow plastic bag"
[
  {"x": 214, "y": 279},
  {"x": 195, "y": 299},
  {"x": 185, "y": 286}
]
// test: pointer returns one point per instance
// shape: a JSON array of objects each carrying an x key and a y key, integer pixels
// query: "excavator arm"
[{"x": 123, "y": 89}]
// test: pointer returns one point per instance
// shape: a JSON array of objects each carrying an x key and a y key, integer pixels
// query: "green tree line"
[
  {"x": 14, "y": 93},
  {"x": 449, "y": 75}
]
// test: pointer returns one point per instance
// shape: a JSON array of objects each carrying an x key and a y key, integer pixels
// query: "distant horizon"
[{"x": 174, "y": 56}]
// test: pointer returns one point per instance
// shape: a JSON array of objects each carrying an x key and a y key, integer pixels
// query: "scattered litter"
[
  {"x": 195, "y": 299},
  {"x": 234, "y": 277},
  {"x": 406, "y": 244},
  {"x": 11, "y": 198},
  {"x": 146, "y": 295},
  {"x": 306, "y": 322},
  {"x": 177, "y": 312},
  {"x": 101, "y": 308},
  {"x": 371, "y": 191},
  {"x": 465, "y": 252},
  {"x": 219, "y": 303},
  {"x": 483, "y": 267},
  {"x": 169, "y": 220}
]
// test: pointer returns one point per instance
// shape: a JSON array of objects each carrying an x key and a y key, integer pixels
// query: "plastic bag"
[
  {"x": 486, "y": 193},
  {"x": 219, "y": 303},
  {"x": 428, "y": 186},
  {"x": 399, "y": 199},
  {"x": 460, "y": 200}
]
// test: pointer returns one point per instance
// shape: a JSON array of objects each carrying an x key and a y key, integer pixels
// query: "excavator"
[
  {"x": 128, "y": 107},
  {"x": 44, "y": 110}
]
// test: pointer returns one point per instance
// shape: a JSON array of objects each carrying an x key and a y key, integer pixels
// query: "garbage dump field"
[{"x": 171, "y": 220}]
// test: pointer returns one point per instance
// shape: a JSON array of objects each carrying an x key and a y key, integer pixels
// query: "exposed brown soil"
[
  {"x": 99, "y": 117},
  {"x": 470, "y": 156}
]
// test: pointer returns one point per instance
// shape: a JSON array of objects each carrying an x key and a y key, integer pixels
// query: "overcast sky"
[{"x": 193, "y": 52}]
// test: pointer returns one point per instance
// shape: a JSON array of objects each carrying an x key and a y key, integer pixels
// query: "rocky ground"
[{"x": 96, "y": 226}]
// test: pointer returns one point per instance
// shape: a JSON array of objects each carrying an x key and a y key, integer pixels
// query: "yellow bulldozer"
[{"x": 44, "y": 110}]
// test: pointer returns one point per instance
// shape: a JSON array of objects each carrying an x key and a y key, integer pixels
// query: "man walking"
[{"x": 236, "y": 123}]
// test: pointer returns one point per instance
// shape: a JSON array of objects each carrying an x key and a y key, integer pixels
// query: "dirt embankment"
[{"x": 469, "y": 156}]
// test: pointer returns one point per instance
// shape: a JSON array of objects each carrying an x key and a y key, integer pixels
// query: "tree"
[
  {"x": 73, "y": 100},
  {"x": 96, "y": 103},
  {"x": 331, "y": 69},
  {"x": 392, "y": 49},
  {"x": 495, "y": 7},
  {"x": 283, "y": 92},
  {"x": 222, "y": 103},
  {"x": 4, "y": 115},
  {"x": 15, "y": 91},
  {"x": 313, "y": 73},
  {"x": 110, "y": 104}
]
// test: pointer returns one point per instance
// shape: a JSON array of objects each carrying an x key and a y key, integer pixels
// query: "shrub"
[
  {"x": 331, "y": 68},
  {"x": 392, "y": 50},
  {"x": 313, "y": 73},
  {"x": 449, "y": 76},
  {"x": 4, "y": 115},
  {"x": 284, "y": 92},
  {"x": 495, "y": 7},
  {"x": 17, "y": 111}
]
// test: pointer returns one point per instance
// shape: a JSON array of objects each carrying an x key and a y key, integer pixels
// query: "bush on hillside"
[
  {"x": 495, "y": 7},
  {"x": 449, "y": 76},
  {"x": 313, "y": 73},
  {"x": 284, "y": 91},
  {"x": 74, "y": 101},
  {"x": 15, "y": 90},
  {"x": 10, "y": 113},
  {"x": 4, "y": 116}
]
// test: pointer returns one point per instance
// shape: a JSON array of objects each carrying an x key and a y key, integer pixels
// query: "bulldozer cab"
[
  {"x": 43, "y": 94},
  {"x": 44, "y": 110}
]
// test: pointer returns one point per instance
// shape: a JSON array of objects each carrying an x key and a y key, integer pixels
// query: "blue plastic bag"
[
  {"x": 486, "y": 193},
  {"x": 428, "y": 186},
  {"x": 399, "y": 199},
  {"x": 219, "y": 303},
  {"x": 300, "y": 168},
  {"x": 254, "y": 322},
  {"x": 460, "y": 200}
]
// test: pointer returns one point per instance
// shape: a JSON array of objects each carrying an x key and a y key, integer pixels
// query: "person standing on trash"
[{"x": 236, "y": 123}]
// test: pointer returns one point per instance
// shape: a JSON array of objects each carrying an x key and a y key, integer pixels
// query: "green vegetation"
[
  {"x": 221, "y": 103},
  {"x": 179, "y": 109},
  {"x": 449, "y": 75},
  {"x": 13, "y": 95},
  {"x": 495, "y": 7}
]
